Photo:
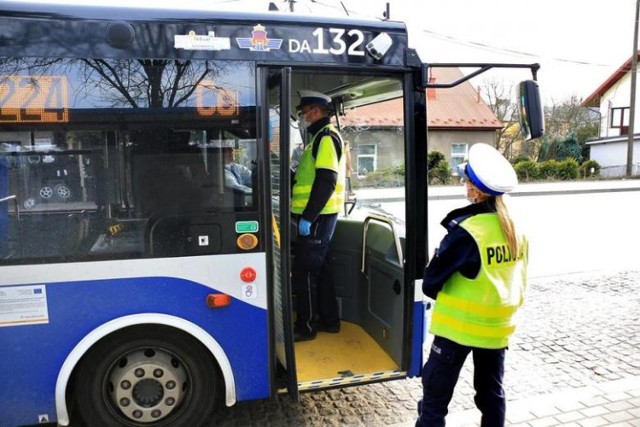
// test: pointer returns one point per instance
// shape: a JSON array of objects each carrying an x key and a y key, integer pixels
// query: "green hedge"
[
  {"x": 527, "y": 170},
  {"x": 438, "y": 168},
  {"x": 441, "y": 174},
  {"x": 568, "y": 169},
  {"x": 589, "y": 169},
  {"x": 553, "y": 170},
  {"x": 381, "y": 178}
]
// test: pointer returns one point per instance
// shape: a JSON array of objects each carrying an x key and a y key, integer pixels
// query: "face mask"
[
  {"x": 303, "y": 123},
  {"x": 302, "y": 119},
  {"x": 469, "y": 192}
]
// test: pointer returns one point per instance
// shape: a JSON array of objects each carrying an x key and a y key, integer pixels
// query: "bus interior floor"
[{"x": 350, "y": 352}]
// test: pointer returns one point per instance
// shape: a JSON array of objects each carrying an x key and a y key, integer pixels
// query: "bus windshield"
[{"x": 96, "y": 150}]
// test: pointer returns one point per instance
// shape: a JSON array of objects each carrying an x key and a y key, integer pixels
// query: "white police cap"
[
  {"x": 488, "y": 170},
  {"x": 311, "y": 97}
]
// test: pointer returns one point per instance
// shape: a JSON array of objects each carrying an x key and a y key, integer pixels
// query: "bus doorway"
[
  {"x": 365, "y": 262},
  {"x": 276, "y": 85}
]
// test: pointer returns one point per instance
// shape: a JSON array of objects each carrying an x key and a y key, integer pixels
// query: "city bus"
[{"x": 138, "y": 285}]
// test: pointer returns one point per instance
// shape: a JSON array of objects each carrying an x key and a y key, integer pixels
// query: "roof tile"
[{"x": 456, "y": 107}]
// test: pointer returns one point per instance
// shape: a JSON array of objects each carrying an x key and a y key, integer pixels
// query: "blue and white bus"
[{"x": 137, "y": 286}]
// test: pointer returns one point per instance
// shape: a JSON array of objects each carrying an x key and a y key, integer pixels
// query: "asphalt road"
[{"x": 569, "y": 232}]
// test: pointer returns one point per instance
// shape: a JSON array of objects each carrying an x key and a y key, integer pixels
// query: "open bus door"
[
  {"x": 275, "y": 87},
  {"x": 366, "y": 258}
]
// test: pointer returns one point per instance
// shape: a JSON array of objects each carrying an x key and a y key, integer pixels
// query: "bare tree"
[
  {"x": 569, "y": 116},
  {"x": 567, "y": 123},
  {"x": 141, "y": 83},
  {"x": 146, "y": 83},
  {"x": 500, "y": 98}
]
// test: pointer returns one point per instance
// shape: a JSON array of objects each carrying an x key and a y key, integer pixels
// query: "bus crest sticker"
[{"x": 259, "y": 42}]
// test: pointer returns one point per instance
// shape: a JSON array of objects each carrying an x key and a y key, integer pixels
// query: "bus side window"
[
  {"x": 160, "y": 184},
  {"x": 165, "y": 174}
]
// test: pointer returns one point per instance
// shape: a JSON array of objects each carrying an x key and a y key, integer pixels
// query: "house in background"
[
  {"x": 376, "y": 136},
  {"x": 613, "y": 99},
  {"x": 457, "y": 119}
]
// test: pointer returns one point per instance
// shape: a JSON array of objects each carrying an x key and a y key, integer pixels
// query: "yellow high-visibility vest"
[
  {"x": 480, "y": 312},
  {"x": 325, "y": 158}
]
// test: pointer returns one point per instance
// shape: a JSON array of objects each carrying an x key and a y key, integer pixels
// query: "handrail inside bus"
[
  {"x": 15, "y": 203},
  {"x": 385, "y": 220}
]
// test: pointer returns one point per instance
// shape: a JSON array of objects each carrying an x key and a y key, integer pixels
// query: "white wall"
[
  {"x": 618, "y": 96},
  {"x": 612, "y": 157}
]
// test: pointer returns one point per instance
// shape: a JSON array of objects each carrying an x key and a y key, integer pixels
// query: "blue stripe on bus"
[
  {"x": 76, "y": 308},
  {"x": 418, "y": 335}
]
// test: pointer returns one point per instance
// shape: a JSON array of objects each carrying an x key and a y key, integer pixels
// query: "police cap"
[
  {"x": 488, "y": 170},
  {"x": 311, "y": 97}
]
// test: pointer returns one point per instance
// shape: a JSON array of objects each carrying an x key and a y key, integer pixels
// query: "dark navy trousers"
[
  {"x": 440, "y": 375},
  {"x": 315, "y": 293}
]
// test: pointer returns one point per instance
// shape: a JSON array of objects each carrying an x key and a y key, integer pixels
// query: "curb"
[
  {"x": 544, "y": 193},
  {"x": 515, "y": 194}
]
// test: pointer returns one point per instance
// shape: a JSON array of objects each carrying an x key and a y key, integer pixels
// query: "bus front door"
[{"x": 275, "y": 89}]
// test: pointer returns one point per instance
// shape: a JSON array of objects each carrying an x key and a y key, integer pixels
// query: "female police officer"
[{"x": 477, "y": 277}]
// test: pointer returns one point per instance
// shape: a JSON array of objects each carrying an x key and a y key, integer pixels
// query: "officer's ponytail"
[{"x": 508, "y": 225}]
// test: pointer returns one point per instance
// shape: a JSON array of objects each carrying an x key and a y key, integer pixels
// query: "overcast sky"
[{"x": 579, "y": 43}]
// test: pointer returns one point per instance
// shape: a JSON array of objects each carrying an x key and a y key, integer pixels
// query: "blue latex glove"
[{"x": 304, "y": 227}]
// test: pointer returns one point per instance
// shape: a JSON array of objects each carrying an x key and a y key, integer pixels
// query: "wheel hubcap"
[
  {"x": 147, "y": 385},
  {"x": 148, "y": 393}
]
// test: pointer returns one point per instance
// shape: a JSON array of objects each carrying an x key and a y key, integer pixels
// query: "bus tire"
[{"x": 151, "y": 375}]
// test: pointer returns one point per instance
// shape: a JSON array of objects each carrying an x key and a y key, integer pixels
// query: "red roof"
[
  {"x": 593, "y": 100},
  {"x": 388, "y": 113},
  {"x": 459, "y": 107}
]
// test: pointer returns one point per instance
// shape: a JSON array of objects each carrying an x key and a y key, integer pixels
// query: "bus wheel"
[{"x": 148, "y": 375}]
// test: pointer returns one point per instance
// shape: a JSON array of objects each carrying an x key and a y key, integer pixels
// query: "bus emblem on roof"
[{"x": 258, "y": 42}]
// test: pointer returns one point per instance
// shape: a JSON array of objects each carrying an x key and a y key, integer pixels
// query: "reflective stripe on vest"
[
  {"x": 479, "y": 312},
  {"x": 326, "y": 158}
]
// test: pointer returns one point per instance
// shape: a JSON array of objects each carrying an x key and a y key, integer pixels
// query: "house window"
[
  {"x": 458, "y": 154},
  {"x": 620, "y": 119},
  {"x": 366, "y": 159}
]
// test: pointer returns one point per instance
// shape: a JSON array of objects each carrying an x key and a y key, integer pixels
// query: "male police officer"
[{"x": 317, "y": 197}]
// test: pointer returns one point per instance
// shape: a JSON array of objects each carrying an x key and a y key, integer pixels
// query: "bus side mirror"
[{"x": 530, "y": 107}]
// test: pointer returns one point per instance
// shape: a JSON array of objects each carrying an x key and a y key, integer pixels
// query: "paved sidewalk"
[
  {"x": 614, "y": 403},
  {"x": 574, "y": 361}
]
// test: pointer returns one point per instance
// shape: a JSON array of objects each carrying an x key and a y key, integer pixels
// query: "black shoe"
[
  {"x": 331, "y": 329},
  {"x": 303, "y": 336}
]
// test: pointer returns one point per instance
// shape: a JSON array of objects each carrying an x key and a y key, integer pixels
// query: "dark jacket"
[{"x": 457, "y": 251}]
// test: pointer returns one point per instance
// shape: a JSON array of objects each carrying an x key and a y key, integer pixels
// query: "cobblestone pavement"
[{"x": 575, "y": 331}]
